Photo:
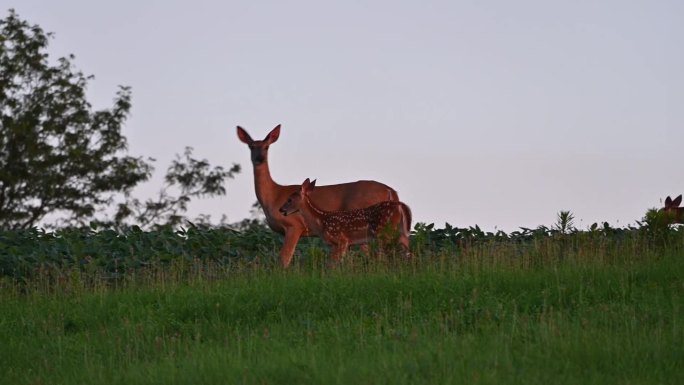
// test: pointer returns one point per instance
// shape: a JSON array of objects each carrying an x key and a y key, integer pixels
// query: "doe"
[{"x": 340, "y": 229}]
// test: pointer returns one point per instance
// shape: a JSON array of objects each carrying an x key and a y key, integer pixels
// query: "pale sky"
[{"x": 497, "y": 113}]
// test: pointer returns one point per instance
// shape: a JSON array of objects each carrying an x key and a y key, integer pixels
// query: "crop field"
[{"x": 212, "y": 306}]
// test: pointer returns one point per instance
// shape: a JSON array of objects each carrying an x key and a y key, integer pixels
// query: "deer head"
[
  {"x": 259, "y": 148},
  {"x": 672, "y": 204},
  {"x": 672, "y": 209},
  {"x": 295, "y": 201}
]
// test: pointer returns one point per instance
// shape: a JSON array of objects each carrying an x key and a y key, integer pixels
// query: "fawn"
[{"x": 340, "y": 229}]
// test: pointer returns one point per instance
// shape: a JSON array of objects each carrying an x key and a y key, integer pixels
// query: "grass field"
[{"x": 564, "y": 322}]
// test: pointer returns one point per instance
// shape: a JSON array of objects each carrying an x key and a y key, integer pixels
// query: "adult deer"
[
  {"x": 272, "y": 196},
  {"x": 340, "y": 229},
  {"x": 672, "y": 209}
]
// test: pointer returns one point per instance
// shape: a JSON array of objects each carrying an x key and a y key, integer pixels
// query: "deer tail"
[
  {"x": 392, "y": 195},
  {"x": 406, "y": 218}
]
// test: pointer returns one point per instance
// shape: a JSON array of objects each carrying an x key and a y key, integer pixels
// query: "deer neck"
[
  {"x": 265, "y": 187},
  {"x": 313, "y": 216}
]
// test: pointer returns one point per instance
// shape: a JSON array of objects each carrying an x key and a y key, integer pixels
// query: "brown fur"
[
  {"x": 340, "y": 229},
  {"x": 672, "y": 208},
  {"x": 272, "y": 196}
]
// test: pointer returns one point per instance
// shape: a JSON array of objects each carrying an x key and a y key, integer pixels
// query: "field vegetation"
[{"x": 207, "y": 305}]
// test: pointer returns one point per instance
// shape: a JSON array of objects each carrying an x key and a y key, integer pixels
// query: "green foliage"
[
  {"x": 596, "y": 323},
  {"x": 658, "y": 224},
  {"x": 565, "y": 222},
  {"x": 26, "y": 253},
  {"x": 190, "y": 178},
  {"x": 59, "y": 156},
  {"x": 116, "y": 253},
  {"x": 56, "y": 153},
  {"x": 212, "y": 305}
]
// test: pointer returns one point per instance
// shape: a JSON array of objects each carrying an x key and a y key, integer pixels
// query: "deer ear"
[
  {"x": 273, "y": 135},
  {"x": 305, "y": 185},
  {"x": 243, "y": 135},
  {"x": 668, "y": 201},
  {"x": 677, "y": 201},
  {"x": 309, "y": 186}
]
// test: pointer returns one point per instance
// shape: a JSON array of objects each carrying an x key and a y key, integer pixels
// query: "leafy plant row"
[{"x": 25, "y": 253}]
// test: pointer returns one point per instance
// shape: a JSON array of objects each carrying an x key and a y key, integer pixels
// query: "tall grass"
[{"x": 584, "y": 307}]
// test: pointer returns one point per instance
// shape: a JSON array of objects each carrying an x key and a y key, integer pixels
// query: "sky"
[{"x": 496, "y": 113}]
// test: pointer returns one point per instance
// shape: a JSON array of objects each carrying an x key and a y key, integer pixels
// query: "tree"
[
  {"x": 57, "y": 155},
  {"x": 191, "y": 177}
]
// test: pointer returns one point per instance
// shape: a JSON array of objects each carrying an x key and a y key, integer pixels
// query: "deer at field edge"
[
  {"x": 340, "y": 229},
  {"x": 673, "y": 210},
  {"x": 272, "y": 196}
]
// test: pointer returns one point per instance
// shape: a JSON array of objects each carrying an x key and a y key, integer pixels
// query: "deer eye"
[{"x": 265, "y": 147}]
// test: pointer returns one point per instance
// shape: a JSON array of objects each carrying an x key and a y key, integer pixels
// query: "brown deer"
[
  {"x": 272, "y": 196},
  {"x": 340, "y": 229},
  {"x": 673, "y": 210}
]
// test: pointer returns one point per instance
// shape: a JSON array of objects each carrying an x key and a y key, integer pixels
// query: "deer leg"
[
  {"x": 404, "y": 240},
  {"x": 339, "y": 250},
  {"x": 292, "y": 235}
]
